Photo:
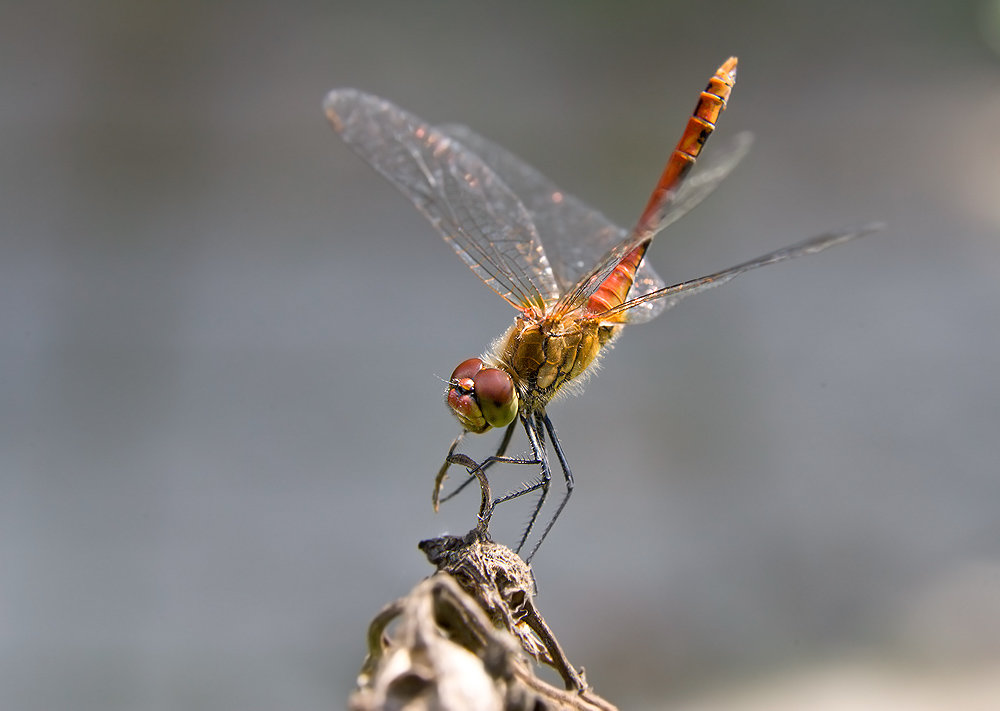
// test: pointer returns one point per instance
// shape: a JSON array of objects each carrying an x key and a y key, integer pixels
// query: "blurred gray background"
[{"x": 222, "y": 338}]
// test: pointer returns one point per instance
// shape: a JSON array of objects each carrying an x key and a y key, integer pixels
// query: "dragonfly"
[{"x": 575, "y": 278}]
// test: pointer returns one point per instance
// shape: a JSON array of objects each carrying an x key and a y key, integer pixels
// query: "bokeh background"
[{"x": 222, "y": 338}]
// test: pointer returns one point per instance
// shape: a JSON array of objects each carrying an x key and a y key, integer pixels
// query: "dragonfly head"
[{"x": 481, "y": 397}]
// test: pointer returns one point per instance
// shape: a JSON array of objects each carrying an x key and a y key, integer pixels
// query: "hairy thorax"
[{"x": 543, "y": 355}]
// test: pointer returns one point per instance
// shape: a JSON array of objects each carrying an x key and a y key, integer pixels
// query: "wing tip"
[{"x": 337, "y": 102}]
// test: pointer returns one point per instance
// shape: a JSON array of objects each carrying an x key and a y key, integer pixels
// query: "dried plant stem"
[{"x": 463, "y": 637}]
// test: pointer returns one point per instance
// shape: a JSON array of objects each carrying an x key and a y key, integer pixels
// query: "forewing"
[
  {"x": 574, "y": 234},
  {"x": 472, "y": 208},
  {"x": 705, "y": 177}
]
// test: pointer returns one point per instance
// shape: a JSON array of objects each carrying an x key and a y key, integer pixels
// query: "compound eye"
[
  {"x": 461, "y": 396},
  {"x": 467, "y": 370},
  {"x": 496, "y": 396}
]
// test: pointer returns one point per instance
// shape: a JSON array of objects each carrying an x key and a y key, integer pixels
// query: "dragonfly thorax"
[{"x": 542, "y": 355}]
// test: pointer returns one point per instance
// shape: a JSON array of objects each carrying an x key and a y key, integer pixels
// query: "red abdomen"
[{"x": 712, "y": 102}]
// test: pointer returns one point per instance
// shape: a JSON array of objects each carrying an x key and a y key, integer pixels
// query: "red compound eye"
[
  {"x": 462, "y": 396},
  {"x": 494, "y": 391},
  {"x": 467, "y": 369}
]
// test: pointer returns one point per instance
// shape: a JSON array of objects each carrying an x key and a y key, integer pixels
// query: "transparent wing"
[
  {"x": 708, "y": 172},
  {"x": 670, "y": 295},
  {"x": 704, "y": 178},
  {"x": 472, "y": 208},
  {"x": 575, "y": 235},
  {"x": 646, "y": 282}
]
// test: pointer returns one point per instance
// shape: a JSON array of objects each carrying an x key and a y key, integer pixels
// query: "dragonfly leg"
[
  {"x": 536, "y": 437},
  {"x": 460, "y": 459},
  {"x": 567, "y": 474},
  {"x": 536, "y": 425},
  {"x": 478, "y": 470},
  {"x": 485, "y": 503}
]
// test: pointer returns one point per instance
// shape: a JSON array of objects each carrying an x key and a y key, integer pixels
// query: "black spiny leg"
[
  {"x": 536, "y": 426},
  {"x": 469, "y": 464},
  {"x": 536, "y": 437},
  {"x": 567, "y": 474}
]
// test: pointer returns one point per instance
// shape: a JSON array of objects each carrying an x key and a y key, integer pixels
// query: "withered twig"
[{"x": 462, "y": 637}]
